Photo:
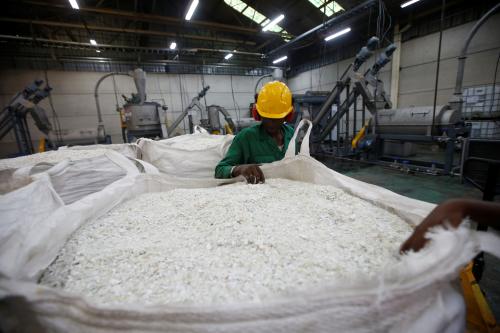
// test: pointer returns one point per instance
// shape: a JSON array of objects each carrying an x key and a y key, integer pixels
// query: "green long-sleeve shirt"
[{"x": 253, "y": 146}]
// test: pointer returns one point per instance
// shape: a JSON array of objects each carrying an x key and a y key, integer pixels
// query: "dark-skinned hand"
[
  {"x": 448, "y": 212},
  {"x": 252, "y": 173},
  {"x": 452, "y": 213}
]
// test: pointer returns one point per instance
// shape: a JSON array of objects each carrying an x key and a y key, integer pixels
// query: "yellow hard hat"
[{"x": 274, "y": 100}]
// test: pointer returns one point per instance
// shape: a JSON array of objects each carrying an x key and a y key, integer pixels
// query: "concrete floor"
[{"x": 435, "y": 189}]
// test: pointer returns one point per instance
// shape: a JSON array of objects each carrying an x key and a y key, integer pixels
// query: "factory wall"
[
  {"x": 418, "y": 63},
  {"x": 418, "y": 66},
  {"x": 73, "y": 97}
]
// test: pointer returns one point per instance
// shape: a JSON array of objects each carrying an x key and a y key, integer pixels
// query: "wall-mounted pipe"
[
  {"x": 456, "y": 100},
  {"x": 259, "y": 80},
  {"x": 96, "y": 94}
]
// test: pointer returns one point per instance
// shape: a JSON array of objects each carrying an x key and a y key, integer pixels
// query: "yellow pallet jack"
[{"x": 479, "y": 315}]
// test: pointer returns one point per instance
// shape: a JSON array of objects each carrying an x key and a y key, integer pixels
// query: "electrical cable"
[
  {"x": 378, "y": 20},
  {"x": 54, "y": 113},
  {"x": 322, "y": 57},
  {"x": 382, "y": 21},
  {"x": 386, "y": 13},
  {"x": 369, "y": 21},
  {"x": 493, "y": 93},
  {"x": 443, "y": 6},
  {"x": 236, "y": 106}
]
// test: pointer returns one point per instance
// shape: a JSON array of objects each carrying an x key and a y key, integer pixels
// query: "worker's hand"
[
  {"x": 449, "y": 213},
  {"x": 252, "y": 173}
]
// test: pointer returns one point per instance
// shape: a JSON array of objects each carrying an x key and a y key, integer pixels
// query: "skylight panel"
[
  {"x": 236, "y": 4},
  {"x": 336, "y": 7},
  {"x": 265, "y": 22},
  {"x": 327, "y": 7},
  {"x": 254, "y": 15}
]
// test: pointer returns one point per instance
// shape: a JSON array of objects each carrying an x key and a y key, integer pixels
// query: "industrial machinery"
[
  {"x": 13, "y": 116},
  {"x": 139, "y": 118},
  {"x": 211, "y": 124},
  {"x": 142, "y": 118},
  {"x": 388, "y": 132}
]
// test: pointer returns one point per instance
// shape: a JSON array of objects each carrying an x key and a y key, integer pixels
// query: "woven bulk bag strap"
[{"x": 304, "y": 147}]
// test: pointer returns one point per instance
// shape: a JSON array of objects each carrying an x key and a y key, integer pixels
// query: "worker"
[
  {"x": 265, "y": 142},
  {"x": 452, "y": 212}
]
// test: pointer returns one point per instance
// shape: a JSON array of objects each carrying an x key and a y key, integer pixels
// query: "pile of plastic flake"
[{"x": 232, "y": 243}]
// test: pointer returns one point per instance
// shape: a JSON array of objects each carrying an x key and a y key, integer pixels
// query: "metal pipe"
[
  {"x": 363, "y": 114},
  {"x": 457, "y": 96},
  {"x": 96, "y": 93},
  {"x": 364, "y": 54},
  {"x": 194, "y": 102},
  {"x": 227, "y": 117},
  {"x": 260, "y": 79},
  {"x": 355, "y": 118},
  {"x": 341, "y": 110},
  {"x": 338, "y": 130},
  {"x": 6, "y": 127},
  {"x": 346, "y": 138},
  {"x": 177, "y": 121},
  {"x": 337, "y": 19}
]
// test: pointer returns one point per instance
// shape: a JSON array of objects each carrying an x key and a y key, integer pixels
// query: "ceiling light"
[
  {"x": 191, "y": 9},
  {"x": 74, "y": 4},
  {"x": 408, "y": 3},
  {"x": 173, "y": 45},
  {"x": 228, "y": 56},
  {"x": 339, "y": 33},
  {"x": 93, "y": 42},
  {"x": 98, "y": 51},
  {"x": 280, "y": 59},
  {"x": 274, "y": 22}
]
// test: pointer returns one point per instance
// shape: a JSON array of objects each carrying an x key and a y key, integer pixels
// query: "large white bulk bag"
[
  {"x": 415, "y": 295},
  {"x": 189, "y": 156},
  {"x": 127, "y": 149},
  {"x": 36, "y": 219},
  {"x": 17, "y": 172}
]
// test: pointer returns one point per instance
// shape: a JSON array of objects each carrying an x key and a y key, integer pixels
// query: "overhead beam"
[
  {"x": 80, "y": 45},
  {"x": 156, "y": 18},
  {"x": 124, "y": 30}
]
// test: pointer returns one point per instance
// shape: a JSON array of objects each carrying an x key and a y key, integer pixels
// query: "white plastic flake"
[
  {"x": 52, "y": 156},
  {"x": 231, "y": 243}
]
